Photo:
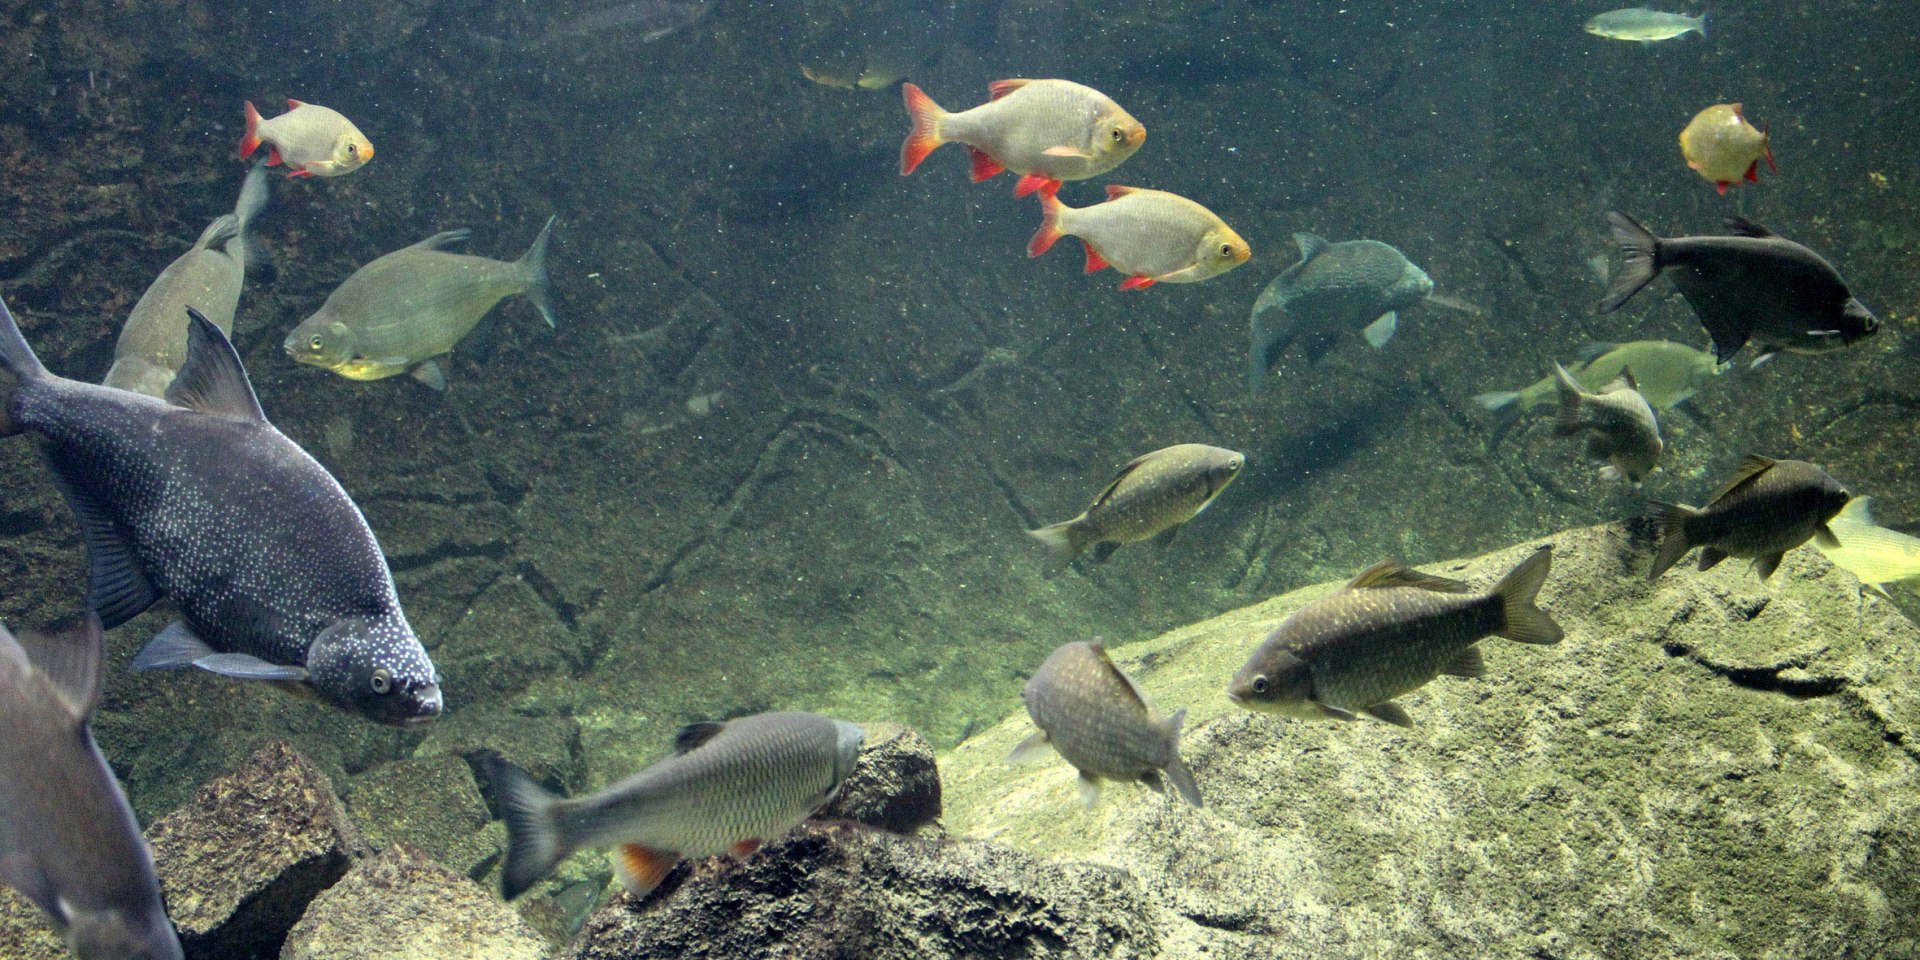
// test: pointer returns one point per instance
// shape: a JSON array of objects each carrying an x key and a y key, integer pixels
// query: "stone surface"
[
  {"x": 429, "y": 802},
  {"x": 401, "y": 905},
  {"x": 25, "y": 933},
  {"x": 895, "y": 785}
]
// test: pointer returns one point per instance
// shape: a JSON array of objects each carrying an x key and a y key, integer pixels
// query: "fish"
[
  {"x": 647, "y": 21},
  {"x": 1755, "y": 285},
  {"x": 312, "y": 140},
  {"x": 1048, "y": 131},
  {"x": 1092, "y": 715},
  {"x": 728, "y": 787},
  {"x": 1645, "y": 26},
  {"x": 1618, "y": 423},
  {"x": 1720, "y": 145},
  {"x": 1668, "y": 374},
  {"x": 1150, "y": 235},
  {"x": 1389, "y": 632},
  {"x": 1148, "y": 499},
  {"x": 1765, "y": 509},
  {"x": 1873, "y": 553},
  {"x": 153, "y": 342},
  {"x": 405, "y": 310},
  {"x": 199, "y": 499},
  {"x": 1333, "y": 288},
  {"x": 68, "y": 839}
]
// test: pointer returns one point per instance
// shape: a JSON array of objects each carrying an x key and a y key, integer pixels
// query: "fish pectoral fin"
[
  {"x": 118, "y": 588},
  {"x": 430, "y": 374},
  {"x": 1337, "y": 713},
  {"x": 641, "y": 869},
  {"x": 1089, "y": 790},
  {"x": 245, "y": 666},
  {"x": 70, "y": 659},
  {"x": 1034, "y": 749},
  {"x": 742, "y": 848},
  {"x": 1823, "y": 537},
  {"x": 1765, "y": 566},
  {"x": 1165, "y": 537},
  {"x": 1710, "y": 557},
  {"x": 1064, "y": 150},
  {"x": 1390, "y": 712},
  {"x": 1153, "y": 781},
  {"x": 1381, "y": 330},
  {"x": 174, "y": 647},
  {"x": 212, "y": 381},
  {"x": 1103, "y": 550}
]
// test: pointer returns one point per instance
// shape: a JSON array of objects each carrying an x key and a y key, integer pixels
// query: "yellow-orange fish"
[
  {"x": 1046, "y": 130},
  {"x": 312, "y": 140},
  {"x": 1723, "y": 147},
  {"x": 1150, "y": 235}
]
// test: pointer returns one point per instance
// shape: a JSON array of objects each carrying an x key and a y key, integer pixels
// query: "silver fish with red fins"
[
  {"x": 312, "y": 140},
  {"x": 1151, "y": 236},
  {"x": 1046, "y": 130}
]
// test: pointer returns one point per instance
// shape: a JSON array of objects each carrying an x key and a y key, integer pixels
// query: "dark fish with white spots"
[
  {"x": 199, "y": 499},
  {"x": 1765, "y": 509},
  {"x": 1149, "y": 499},
  {"x": 1335, "y": 287},
  {"x": 68, "y": 839},
  {"x": 1387, "y": 633},
  {"x": 1094, "y": 717},
  {"x": 1616, "y": 420},
  {"x": 1755, "y": 285}
]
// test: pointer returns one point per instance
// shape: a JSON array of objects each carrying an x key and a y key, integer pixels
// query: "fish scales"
[
  {"x": 1150, "y": 497},
  {"x": 1019, "y": 128},
  {"x": 1332, "y": 288},
  {"x": 1142, "y": 233},
  {"x": 1373, "y": 645},
  {"x": 1767, "y": 508},
  {"x": 1093, "y": 719}
]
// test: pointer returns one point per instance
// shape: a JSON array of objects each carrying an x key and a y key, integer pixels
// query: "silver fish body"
[
  {"x": 1617, "y": 422},
  {"x": 1875, "y": 554},
  {"x": 1334, "y": 288},
  {"x": 1149, "y": 498},
  {"x": 1765, "y": 509},
  {"x": 1667, "y": 373},
  {"x": 1095, "y": 718},
  {"x": 1642, "y": 25}
]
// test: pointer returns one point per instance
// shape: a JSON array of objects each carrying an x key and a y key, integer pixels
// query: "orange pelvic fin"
[
  {"x": 745, "y": 847},
  {"x": 1722, "y": 185},
  {"x": 299, "y": 173},
  {"x": 1000, "y": 88},
  {"x": 273, "y": 157},
  {"x": 1095, "y": 262},
  {"x": 1035, "y": 182},
  {"x": 985, "y": 167},
  {"x": 1049, "y": 232},
  {"x": 926, "y": 128},
  {"x": 250, "y": 141},
  {"x": 1136, "y": 282},
  {"x": 641, "y": 869}
]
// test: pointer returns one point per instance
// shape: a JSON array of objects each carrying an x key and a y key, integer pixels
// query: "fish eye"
[
  {"x": 382, "y": 681},
  {"x": 1226, "y": 249},
  {"x": 1118, "y": 135},
  {"x": 314, "y": 343},
  {"x": 1260, "y": 684}
]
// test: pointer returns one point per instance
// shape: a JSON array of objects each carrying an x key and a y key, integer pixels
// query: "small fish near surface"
[
  {"x": 1387, "y": 633},
  {"x": 1148, "y": 499},
  {"x": 199, "y": 499},
  {"x": 312, "y": 140},
  {"x": 1335, "y": 287},
  {"x": 1150, "y": 235},
  {"x": 729, "y": 787},
  {"x": 1048, "y": 131},
  {"x": 1869, "y": 551},
  {"x": 1642, "y": 25},
  {"x": 1723, "y": 147},
  {"x": 1096, "y": 718},
  {"x": 1765, "y": 509},
  {"x": 1667, "y": 373},
  {"x": 1755, "y": 285},
  {"x": 644, "y": 22},
  {"x": 68, "y": 839},
  {"x": 404, "y": 311},
  {"x": 1617, "y": 421}
]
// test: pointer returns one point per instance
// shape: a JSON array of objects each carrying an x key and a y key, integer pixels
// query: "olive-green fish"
[
  {"x": 1150, "y": 235},
  {"x": 1869, "y": 551},
  {"x": 1093, "y": 715},
  {"x": 1642, "y": 25},
  {"x": 403, "y": 311},
  {"x": 1617, "y": 421},
  {"x": 1149, "y": 498},
  {"x": 1388, "y": 633},
  {"x": 1767, "y": 508},
  {"x": 1668, "y": 373}
]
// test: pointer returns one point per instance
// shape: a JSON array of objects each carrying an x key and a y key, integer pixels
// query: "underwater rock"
[
  {"x": 895, "y": 783},
  {"x": 401, "y": 905},
  {"x": 451, "y": 825},
  {"x": 24, "y": 931}
]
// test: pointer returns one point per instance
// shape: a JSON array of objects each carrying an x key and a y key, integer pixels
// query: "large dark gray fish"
[
  {"x": 1755, "y": 285},
  {"x": 1387, "y": 633},
  {"x": 198, "y": 498},
  {"x": 1765, "y": 509},
  {"x": 1149, "y": 498},
  {"x": 1094, "y": 716},
  {"x": 1617, "y": 420},
  {"x": 68, "y": 840},
  {"x": 728, "y": 787},
  {"x": 1334, "y": 288}
]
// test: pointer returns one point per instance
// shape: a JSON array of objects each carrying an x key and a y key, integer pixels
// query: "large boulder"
[
  {"x": 895, "y": 783},
  {"x": 401, "y": 905}
]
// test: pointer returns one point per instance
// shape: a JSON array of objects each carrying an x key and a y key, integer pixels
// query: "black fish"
[
  {"x": 1767, "y": 508},
  {"x": 198, "y": 498},
  {"x": 1755, "y": 285}
]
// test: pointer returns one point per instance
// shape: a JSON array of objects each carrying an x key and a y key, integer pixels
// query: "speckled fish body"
[
  {"x": 1095, "y": 718},
  {"x": 1334, "y": 288},
  {"x": 1767, "y": 508},
  {"x": 1723, "y": 147},
  {"x": 199, "y": 499},
  {"x": 1047, "y": 130},
  {"x": 1387, "y": 633},
  {"x": 311, "y": 140},
  {"x": 153, "y": 342},
  {"x": 1668, "y": 373},
  {"x": 1869, "y": 551},
  {"x": 1642, "y": 25},
  {"x": 728, "y": 787},
  {"x": 1150, "y": 497},
  {"x": 68, "y": 840},
  {"x": 1617, "y": 422},
  {"x": 1151, "y": 236}
]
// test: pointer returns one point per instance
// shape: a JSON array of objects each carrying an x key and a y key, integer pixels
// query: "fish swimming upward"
[
  {"x": 1616, "y": 420},
  {"x": 1095, "y": 718},
  {"x": 1046, "y": 130},
  {"x": 199, "y": 499},
  {"x": 1334, "y": 288},
  {"x": 312, "y": 140},
  {"x": 1667, "y": 373},
  {"x": 1151, "y": 236},
  {"x": 1765, "y": 509},
  {"x": 1148, "y": 499}
]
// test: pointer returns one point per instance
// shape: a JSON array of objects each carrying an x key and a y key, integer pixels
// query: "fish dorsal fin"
[
  {"x": 443, "y": 239},
  {"x": 293, "y": 104},
  {"x": 1624, "y": 379},
  {"x": 1393, "y": 573},
  {"x": 1310, "y": 245},
  {"x": 1114, "y": 484},
  {"x": 1594, "y": 351},
  {"x": 1753, "y": 466},
  {"x": 212, "y": 380},
  {"x": 69, "y": 658},
  {"x": 695, "y": 735},
  {"x": 1742, "y": 227},
  {"x": 1000, "y": 88},
  {"x": 1100, "y": 650},
  {"x": 1116, "y": 191}
]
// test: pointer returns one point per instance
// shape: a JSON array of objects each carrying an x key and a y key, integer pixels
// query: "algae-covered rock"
[
  {"x": 401, "y": 905},
  {"x": 428, "y": 802},
  {"x": 25, "y": 933},
  {"x": 895, "y": 783}
]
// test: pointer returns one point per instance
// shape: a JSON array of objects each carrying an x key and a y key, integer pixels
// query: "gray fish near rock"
[
  {"x": 729, "y": 787},
  {"x": 1148, "y": 499},
  {"x": 1387, "y": 633},
  {"x": 1617, "y": 421},
  {"x": 1335, "y": 287},
  {"x": 1765, "y": 509},
  {"x": 199, "y": 499},
  {"x": 68, "y": 839},
  {"x": 1755, "y": 285},
  {"x": 1094, "y": 717}
]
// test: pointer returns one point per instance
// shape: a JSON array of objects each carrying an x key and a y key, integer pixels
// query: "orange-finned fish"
[
  {"x": 312, "y": 140},
  {"x": 1150, "y": 235},
  {"x": 1723, "y": 147},
  {"x": 1046, "y": 130}
]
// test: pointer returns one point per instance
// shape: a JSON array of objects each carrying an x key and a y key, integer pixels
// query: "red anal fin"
[
  {"x": 745, "y": 847},
  {"x": 1035, "y": 182},
  {"x": 1136, "y": 282},
  {"x": 642, "y": 868},
  {"x": 1095, "y": 262},
  {"x": 1722, "y": 185},
  {"x": 299, "y": 173},
  {"x": 1753, "y": 172},
  {"x": 273, "y": 157},
  {"x": 985, "y": 167}
]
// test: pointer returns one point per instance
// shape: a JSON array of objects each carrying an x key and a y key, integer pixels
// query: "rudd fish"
[
  {"x": 1869, "y": 551},
  {"x": 199, "y": 499},
  {"x": 1755, "y": 285},
  {"x": 68, "y": 839},
  {"x": 1617, "y": 421},
  {"x": 1642, "y": 25},
  {"x": 1148, "y": 499},
  {"x": 312, "y": 140},
  {"x": 1150, "y": 235},
  {"x": 1046, "y": 130},
  {"x": 1388, "y": 633},
  {"x": 1765, "y": 509},
  {"x": 729, "y": 787},
  {"x": 1093, "y": 715},
  {"x": 1335, "y": 287},
  {"x": 1723, "y": 147}
]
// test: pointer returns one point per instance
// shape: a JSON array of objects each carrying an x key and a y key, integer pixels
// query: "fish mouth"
[{"x": 1137, "y": 136}]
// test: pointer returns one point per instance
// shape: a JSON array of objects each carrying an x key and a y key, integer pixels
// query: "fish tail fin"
[
  {"x": 1674, "y": 542},
  {"x": 1049, "y": 232},
  {"x": 1566, "y": 420},
  {"x": 250, "y": 141},
  {"x": 535, "y": 844},
  {"x": 1526, "y": 622},
  {"x": 1642, "y": 252},
  {"x": 255, "y": 191},
  {"x": 1497, "y": 399},
  {"x": 1176, "y": 769},
  {"x": 926, "y": 127},
  {"x": 1064, "y": 543},
  {"x": 534, "y": 262},
  {"x": 1700, "y": 24},
  {"x": 20, "y": 362}
]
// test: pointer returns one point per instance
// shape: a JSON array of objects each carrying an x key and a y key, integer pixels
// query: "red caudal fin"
[
  {"x": 926, "y": 128},
  {"x": 1049, "y": 232},
  {"x": 1136, "y": 282},
  {"x": 1035, "y": 182},
  {"x": 640, "y": 869},
  {"x": 250, "y": 141},
  {"x": 985, "y": 167},
  {"x": 1095, "y": 262}
]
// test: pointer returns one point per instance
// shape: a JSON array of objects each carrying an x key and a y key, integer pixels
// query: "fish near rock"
[
  {"x": 405, "y": 310},
  {"x": 1723, "y": 147},
  {"x": 1389, "y": 632},
  {"x": 1765, "y": 509},
  {"x": 68, "y": 839},
  {"x": 1644, "y": 26},
  {"x": 1667, "y": 374},
  {"x": 1148, "y": 499},
  {"x": 1150, "y": 235},
  {"x": 1617, "y": 421},
  {"x": 1096, "y": 718},
  {"x": 1755, "y": 285},
  {"x": 1048, "y": 131},
  {"x": 312, "y": 140},
  {"x": 1333, "y": 288},
  {"x": 1869, "y": 551},
  {"x": 199, "y": 499}
]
